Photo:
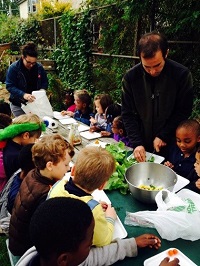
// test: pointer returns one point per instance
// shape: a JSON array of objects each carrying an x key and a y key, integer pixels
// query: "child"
[
  {"x": 51, "y": 156},
  {"x": 194, "y": 175},
  {"x": 111, "y": 112},
  {"x": 26, "y": 164},
  {"x": 25, "y": 129},
  {"x": 119, "y": 131},
  {"x": 92, "y": 170},
  {"x": 67, "y": 238},
  {"x": 70, "y": 105},
  {"x": 5, "y": 120},
  {"x": 181, "y": 156},
  {"x": 11, "y": 188},
  {"x": 83, "y": 111},
  {"x": 101, "y": 102}
]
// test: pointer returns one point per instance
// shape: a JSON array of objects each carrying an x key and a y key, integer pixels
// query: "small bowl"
[{"x": 148, "y": 173}]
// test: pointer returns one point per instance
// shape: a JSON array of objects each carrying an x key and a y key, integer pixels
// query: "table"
[{"x": 123, "y": 203}]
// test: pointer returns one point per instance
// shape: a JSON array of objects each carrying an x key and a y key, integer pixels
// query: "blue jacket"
[{"x": 16, "y": 82}]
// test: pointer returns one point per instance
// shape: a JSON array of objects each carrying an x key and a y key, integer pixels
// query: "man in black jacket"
[{"x": 157, "y": 95}]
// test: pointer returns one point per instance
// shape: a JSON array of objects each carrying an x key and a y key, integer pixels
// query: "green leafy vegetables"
[{"x": 120, "y": 153}]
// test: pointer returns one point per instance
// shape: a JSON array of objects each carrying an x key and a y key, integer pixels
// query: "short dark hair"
[
  {"x": 120, "y": 124},
  {"x": 191, "y": 124},
  {"x": 59, "y": 225},
  {"x": 152, "y": 42},
  {"x": 30, "y": 49}
]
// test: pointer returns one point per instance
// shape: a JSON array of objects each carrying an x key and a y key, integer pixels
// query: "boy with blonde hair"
[
  {"x": 92, "y": 170},
  {"x": 51, "y": 156}
]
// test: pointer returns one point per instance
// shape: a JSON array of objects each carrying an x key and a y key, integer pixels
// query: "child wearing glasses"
[{"x": 119, "y": 131}]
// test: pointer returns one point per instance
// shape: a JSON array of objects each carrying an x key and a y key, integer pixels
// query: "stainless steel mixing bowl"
[{"x": 148, "y": 173}]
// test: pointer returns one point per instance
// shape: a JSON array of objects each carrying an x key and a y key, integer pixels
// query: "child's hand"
[
  {"x": 70, "y": 113},
  {"x": 170, "y": 165},
  {"x": 198, "y": 183},
  {"x": 104, "y": 205},
  {"x": 93, "y": 128},
  {"x": 105, "y": 134},
  {"x": 148, "y": 240},
  {"x": 92, "y": 120},
  {"x": 110, "y": 212},
  {"x": 63, "y": 112},
  {"x": 166, "y": 262}
]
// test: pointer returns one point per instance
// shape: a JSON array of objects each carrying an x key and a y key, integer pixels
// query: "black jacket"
[{"x": 153, "y": 107}]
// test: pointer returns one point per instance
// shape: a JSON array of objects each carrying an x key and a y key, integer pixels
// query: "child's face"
[
  {"x": 115, "y": 130},
  {"x": 197, "y": 163},
  {"x": 98, "y": 107},
  {"x": 79, "y": 104},
  {"x": 186, "y": 140},
  {"x": 26, "y": 139},
  {"x": 84, "y": 248},
  {"x": 60, "y": 169}
]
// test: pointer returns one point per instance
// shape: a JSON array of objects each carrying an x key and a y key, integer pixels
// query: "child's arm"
[{"x": 119, "y": 249}]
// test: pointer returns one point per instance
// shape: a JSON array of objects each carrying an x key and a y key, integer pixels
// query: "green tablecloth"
[{"x": 123, "y": 203}]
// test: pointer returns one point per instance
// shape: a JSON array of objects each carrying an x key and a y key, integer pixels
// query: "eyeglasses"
[{"x": 30, "y": 63}]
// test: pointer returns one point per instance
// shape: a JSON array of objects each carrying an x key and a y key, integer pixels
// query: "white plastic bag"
[
  {"x": 171, "y": 220},
  {"x": 41, "y": 106}
]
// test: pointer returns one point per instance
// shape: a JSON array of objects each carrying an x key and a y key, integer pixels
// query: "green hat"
[{"x": 14, "y": 130}]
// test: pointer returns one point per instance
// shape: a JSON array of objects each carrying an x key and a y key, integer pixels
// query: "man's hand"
[
  {"x": 158, "y": 144},
  {"x": 166, "y": 262},
  {"x": 140, "y": 154},
  {"x": 29, "y": 97},
  {"x": 148, "y": 240}
]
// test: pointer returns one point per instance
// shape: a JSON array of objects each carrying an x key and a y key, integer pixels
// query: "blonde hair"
[
  {"x": 50, "y": 148},
  {"x": 93, "y": 167},
  {"x": 83, "y": 96},
  {"x": 30, "y": 118}
]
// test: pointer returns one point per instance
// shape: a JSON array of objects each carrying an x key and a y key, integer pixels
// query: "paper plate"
[
  {"x": 156, "y": 260},
  {"x": 58, "y": 115},
  {"x": 119, "y": 230},
  {"x": 90, "y": 135},
  {"x": 67, "y": 121},
  {"x": 98, "y": 143},
  {"x": 181, "y": 182},
  {"x": 81, "y": 127},
  {"x": 157, "y": 158}
]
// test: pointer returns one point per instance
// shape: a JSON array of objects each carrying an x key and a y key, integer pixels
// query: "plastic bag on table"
[
  {"x": 41, "y": 106},
  {"x": 175, "y": 221}
]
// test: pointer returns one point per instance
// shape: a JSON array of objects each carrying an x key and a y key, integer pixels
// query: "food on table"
[
  {"x": 150, "y": 187},
  {"x": 96, "y": 141},
  {"x": 172, "y": 252}
]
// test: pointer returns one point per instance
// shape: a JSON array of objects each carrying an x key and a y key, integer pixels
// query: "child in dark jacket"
[
  {"x": 51, "y": 156},
  {"x": 181, "y": 156}
]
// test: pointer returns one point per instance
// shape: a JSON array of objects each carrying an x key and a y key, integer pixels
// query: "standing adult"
[
  {"x": 157, "y": 95},
  {"x": 23, "y": 77}
]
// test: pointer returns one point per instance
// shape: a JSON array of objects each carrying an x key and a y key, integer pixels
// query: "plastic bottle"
[{"x": 74, "y": 135}]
